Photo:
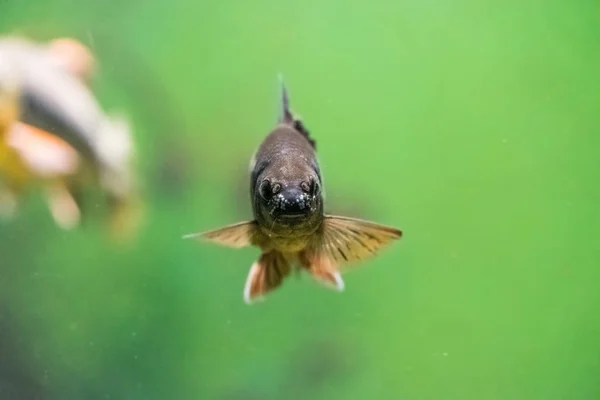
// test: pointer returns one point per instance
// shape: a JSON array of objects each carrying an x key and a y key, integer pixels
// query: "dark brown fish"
[{"x": 290, "y": 226}]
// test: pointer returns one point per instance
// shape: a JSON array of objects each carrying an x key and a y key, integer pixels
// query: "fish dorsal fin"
[
  {"x": 285, "y": 113},
  {"x": 287, "y": 117}
]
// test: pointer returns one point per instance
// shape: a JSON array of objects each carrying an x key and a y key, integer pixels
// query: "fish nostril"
[
  {"x": 275, "y": 188},
  {"x": 294, "y": 208},
  {"x": 305, "y": 186}
]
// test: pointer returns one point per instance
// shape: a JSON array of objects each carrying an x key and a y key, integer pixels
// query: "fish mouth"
[
  {"x": 292, "y": 208},
  {"x": 291, "y": 216}
]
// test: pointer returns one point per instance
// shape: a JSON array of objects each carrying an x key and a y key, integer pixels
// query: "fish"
[
  {"x": 289, "y": 224},
  {"x": 54, "y": 100},
  {"x": 45, "y": 98}
]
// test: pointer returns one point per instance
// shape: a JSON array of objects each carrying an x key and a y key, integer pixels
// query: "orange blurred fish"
[
  {"x": 289, "y": 225},
  {"x": 59, "y": 135}
]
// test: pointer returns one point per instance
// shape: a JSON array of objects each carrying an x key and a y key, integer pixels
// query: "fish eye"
[
  {"x": 316, "y": 188},
  {"x": 265, "y": 189}
]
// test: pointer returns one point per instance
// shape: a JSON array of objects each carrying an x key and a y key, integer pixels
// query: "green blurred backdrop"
[{"x": 473, "y": 126}]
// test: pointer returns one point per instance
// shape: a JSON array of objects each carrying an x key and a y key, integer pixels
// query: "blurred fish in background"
[{"x": 54, "y": 134}]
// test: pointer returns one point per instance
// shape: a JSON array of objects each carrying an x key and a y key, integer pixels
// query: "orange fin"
[
  {"x": 345, "y": 240},
  {"x": 322, "y": 270},
  {"x": 237, "y": 235},
  {"x": 45, "y": 154},
  {"x": 63, "y": 207},
  {"x": 265, "y": 275}
]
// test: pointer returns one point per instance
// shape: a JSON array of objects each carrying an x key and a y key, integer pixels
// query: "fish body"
[{"x": 289, "y": 224}]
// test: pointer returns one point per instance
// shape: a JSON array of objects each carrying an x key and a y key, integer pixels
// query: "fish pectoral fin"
[
  {"x": 237, "y": 235},
  {"x": 322, "y": 270},
  {"x": 345, "y": 240},
  {"x": 265, "y": 275},
  {"x": 63, "y": 207}
]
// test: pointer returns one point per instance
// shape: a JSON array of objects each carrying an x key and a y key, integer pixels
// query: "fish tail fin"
[
  {"x": 265, "y": 275},
  {"x": 287, "y": 117}
]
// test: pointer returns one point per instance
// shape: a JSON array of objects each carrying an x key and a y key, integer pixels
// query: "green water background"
[{"x": 473, "y": 126}]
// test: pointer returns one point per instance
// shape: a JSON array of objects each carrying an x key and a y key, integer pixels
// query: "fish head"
[{"x": 289, "y": 202}]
